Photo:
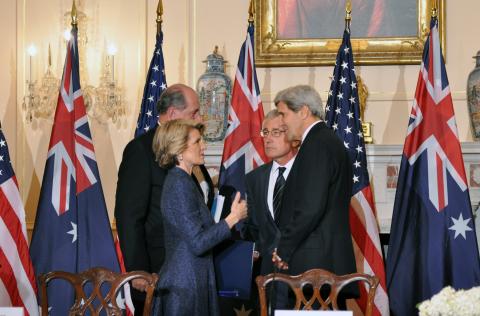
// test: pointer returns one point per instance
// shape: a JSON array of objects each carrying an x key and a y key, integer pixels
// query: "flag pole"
[
  {"x": 348, "y": 15},
  {"x": 434, "y": 8},
  {"x": 159, "y": 19}
]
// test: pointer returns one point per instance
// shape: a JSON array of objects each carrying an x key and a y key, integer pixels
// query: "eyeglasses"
[{"x": 274, "y": 132}]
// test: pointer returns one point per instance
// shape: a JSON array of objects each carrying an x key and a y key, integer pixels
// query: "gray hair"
[
  {"x": 272, "y": 114},
  {"x": 297, "y": 96},
  {"x": 172, "y": 96}
]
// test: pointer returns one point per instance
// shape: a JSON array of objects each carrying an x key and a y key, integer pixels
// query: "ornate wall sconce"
[
  {"x": 103, "y": 102},
  {"x": 40, "y": 101},
  {"x": 108, "y": 96}
]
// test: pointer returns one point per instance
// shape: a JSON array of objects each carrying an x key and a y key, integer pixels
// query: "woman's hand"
[{"x": 237, "y": 212}]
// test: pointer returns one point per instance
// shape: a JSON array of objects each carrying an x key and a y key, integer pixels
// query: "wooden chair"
[
  {"x": 97, "y": 277},
  {"x": 316, "y": 278}
]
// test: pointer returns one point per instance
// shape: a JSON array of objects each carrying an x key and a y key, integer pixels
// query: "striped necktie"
[{"x": 278, "y": 191}]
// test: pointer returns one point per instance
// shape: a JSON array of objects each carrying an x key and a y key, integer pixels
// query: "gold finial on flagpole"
[
  {"x": 251, "y": 12},
  {"x": 348, "y": 11},
  {"x": 434, "y": 9},
  {"x": 74, "y": 14},
  {"x": 159, "y": 16},
  {"x": 348, "y": 15}
]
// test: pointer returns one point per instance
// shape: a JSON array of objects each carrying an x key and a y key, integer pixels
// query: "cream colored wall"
[
  {"x": 192, "y": 28},
  {"x": 8, "y": 72}
]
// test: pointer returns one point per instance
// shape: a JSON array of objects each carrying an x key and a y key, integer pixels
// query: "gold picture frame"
[{"x": 273, "y": 51}]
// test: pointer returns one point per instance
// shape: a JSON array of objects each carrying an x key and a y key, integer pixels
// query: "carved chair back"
[
  {"x": 317, "y": 279},
  {"x": 101, "y": 280}
]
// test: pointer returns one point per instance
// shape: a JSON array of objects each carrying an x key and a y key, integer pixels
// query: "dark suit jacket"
[
  {"x": 260, "y": 226},
  {"x": 190, "y": 234},
  {"x": 313, "y": 219},
  {"x": 137, "y": 205}
]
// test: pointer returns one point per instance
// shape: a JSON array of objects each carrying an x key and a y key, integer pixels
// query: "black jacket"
[
  {"x": 260, "y": 226},
  {"x": 314, "y": 216}
]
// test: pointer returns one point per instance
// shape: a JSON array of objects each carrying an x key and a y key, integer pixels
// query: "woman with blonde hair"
[{"x": 187, "y": 277}]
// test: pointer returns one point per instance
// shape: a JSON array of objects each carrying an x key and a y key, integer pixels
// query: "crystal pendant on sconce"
[
  {"x": 214, "y": 89},
  {"x": 31, "y": 101},
  {"x": 109, "y": 100},
  {"x": 40, "y": 102},
  {"x": 48, "y": 94}
]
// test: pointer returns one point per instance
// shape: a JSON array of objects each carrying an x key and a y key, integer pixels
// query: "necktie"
[{"x": 278, "y": 191}]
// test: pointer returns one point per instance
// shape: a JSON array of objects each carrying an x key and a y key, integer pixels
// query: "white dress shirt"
[{"x": 273, "y": 179}]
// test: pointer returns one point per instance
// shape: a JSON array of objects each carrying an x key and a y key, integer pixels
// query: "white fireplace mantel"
[{"x": 383, "y": 165}]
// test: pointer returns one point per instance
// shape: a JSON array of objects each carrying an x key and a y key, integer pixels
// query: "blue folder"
[{"x": 233, "y": 261}]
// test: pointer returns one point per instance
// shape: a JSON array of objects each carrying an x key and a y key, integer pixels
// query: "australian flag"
[
  {"x": 432, "y": 238},
  {"x": 243, "y": 146},
  {"x": 155, "y": 84},
  {"x": 342, "y": 114},
  {"x": 72, "y": 230}
]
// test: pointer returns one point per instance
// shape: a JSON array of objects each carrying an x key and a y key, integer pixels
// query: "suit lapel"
[
  {"x": 206, "y": 177},
  {"x": 199, "y": 175},
  {"x": 265, "y": 182}
]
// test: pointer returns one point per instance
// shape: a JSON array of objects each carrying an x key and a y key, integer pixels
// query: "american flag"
[
  {"x": 343, "y": 115},
  {"x": 432, "y": 237},
  {"x": 72, "y": 230},
  {"x": 154, "y": 85},
  {"x": 17, "y": 278},
  {"x": 243, "y": 146}
]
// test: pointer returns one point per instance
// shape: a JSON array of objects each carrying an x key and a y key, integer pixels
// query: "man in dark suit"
[
  {"x": 313, "y": 218},
  {"x": 264, "y": 192},
  {"x": 260, "y": 187},
  {"x": 139, "y": 187}
]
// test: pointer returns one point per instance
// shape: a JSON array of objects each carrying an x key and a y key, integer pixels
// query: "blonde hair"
[{"x": 171, "y": 139}]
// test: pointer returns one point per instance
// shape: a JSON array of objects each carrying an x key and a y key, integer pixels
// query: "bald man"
[{"x": 139, "y": 188}]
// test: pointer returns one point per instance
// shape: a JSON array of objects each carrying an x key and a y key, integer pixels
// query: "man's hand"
[
  {"x": 256, "y": 255},
  {"x": 277, "y": 261},
  {"x": 140, "y": 284}
]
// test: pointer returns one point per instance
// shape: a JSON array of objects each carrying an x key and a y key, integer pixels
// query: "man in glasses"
[{"x": 264, "y": 187}]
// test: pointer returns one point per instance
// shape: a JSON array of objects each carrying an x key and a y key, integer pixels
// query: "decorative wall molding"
[{"x": 374, "y": 96}]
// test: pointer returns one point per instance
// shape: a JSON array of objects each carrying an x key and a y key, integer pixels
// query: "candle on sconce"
[
  {"x": 112, "y": 50},
  {"x": 67, "y": 35},
  {"x": 32, "y": 51}
]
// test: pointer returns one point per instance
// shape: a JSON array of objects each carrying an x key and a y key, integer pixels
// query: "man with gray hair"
[
  {"x": 264, "y": 187},
  {"x": 313, "y": 219},
  {"x": 139, "y": 188}
]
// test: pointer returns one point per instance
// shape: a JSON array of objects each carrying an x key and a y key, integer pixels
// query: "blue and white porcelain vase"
[
  {"x": 473, "y": 97},
  {"x": 214, "y": 90}
]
